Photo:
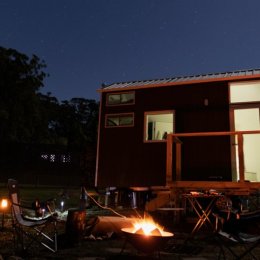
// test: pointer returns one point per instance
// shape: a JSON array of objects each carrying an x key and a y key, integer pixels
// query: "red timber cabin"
[{"x": 197, "y": 131}]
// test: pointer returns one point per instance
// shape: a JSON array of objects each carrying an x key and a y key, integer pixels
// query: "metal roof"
[{"x": 224, "y": 76}]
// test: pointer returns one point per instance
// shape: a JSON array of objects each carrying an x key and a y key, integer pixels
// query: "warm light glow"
[
  {"x": 147, "y": 227},
  {"x": 4, "y": 203}
]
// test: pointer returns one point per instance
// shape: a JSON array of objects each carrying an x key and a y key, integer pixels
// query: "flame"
[{"x": 147, "y": 227}]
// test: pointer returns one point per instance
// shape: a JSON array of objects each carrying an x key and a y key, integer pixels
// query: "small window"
[
  {"x": 117, "y": 120},
  {"x": 158, "y": 124},
  {"x": 121, "y": 98}
]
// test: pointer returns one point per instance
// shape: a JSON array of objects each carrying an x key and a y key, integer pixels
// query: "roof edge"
[{"x": 169, "y": 82}]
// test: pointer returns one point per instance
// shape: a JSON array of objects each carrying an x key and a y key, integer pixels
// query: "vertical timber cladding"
[
  {"x": 200, "y": 107},
  {"x": 126, "y": 160}
]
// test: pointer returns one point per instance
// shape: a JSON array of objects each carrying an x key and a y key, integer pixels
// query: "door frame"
[{"x": 233, "y": 144}]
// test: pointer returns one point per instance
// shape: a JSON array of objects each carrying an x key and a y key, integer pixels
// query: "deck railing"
[{"x": 175, "y": 139}]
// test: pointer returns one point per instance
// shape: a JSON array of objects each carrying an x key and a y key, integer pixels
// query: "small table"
[{"x": 202, "y": 211}]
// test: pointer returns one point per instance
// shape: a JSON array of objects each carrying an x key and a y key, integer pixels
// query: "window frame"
[
  {"x": 120, "y": 103},
  {"x": 157, "y": 112},
  {"x": 119, "y": 115}
]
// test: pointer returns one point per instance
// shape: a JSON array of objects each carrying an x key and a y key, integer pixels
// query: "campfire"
[
  {"x": 147, "y": 236},
  {"x": 147, "y": 227}
]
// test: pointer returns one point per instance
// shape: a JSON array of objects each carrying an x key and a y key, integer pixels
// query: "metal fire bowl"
[{"x": 146, "y": 244}]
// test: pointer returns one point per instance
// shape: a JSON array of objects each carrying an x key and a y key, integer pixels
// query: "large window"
[
  {"x": 157, "y": 125},
  {"x": 245, "y": 92},
  {"x": 120, "y": 120},
  {"x": 126, "y": 98}
]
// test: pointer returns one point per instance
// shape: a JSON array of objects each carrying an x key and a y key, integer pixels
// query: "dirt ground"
[{"x": 113, "y": 245}]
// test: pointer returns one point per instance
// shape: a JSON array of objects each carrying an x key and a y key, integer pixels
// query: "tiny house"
[{"x": 196, "y": 128}]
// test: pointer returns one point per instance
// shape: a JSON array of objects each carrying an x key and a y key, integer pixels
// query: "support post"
[
  {"x": 178, "y": 161},
  {"x": 241, "y": 157},
  {"x": 169, "y": 159}
]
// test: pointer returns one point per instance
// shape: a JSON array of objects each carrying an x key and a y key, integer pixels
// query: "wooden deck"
[
  {"x": 174, "y": 191},
  {"x": 226, "y": 187},
  {"x": 173, "y": 139}
]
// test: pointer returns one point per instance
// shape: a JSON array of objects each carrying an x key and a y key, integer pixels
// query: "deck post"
[
  {"x": 178, "y": 161},
  {"x": 169, "y": 159},
  {"x": 241, "y": 157}
]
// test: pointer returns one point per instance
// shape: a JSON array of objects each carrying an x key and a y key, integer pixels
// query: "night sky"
[{"x": 89, "y": 42}]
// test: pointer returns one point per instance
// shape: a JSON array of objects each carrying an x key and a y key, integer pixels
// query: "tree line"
[{"x": 27, "y": 116}]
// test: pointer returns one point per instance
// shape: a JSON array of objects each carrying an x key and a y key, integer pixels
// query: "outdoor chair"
[
  {"x": 30, "y": 230},
  {"x": 231, "y": 233}
]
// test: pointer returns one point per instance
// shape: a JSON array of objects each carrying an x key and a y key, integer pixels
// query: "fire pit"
[{"x": 146, "y": 236}]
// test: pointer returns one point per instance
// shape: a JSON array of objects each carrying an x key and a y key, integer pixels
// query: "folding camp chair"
[
  {"x": 27, "y": 231},
  {"x": 230, "y": 234}
]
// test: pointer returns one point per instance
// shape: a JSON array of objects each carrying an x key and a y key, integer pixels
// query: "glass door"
[{"x": 247, "y": 118}]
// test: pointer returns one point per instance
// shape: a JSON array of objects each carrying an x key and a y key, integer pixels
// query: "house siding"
[{"x": 125, "y": 160}]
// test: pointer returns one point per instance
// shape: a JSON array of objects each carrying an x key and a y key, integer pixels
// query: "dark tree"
[
  {"x": 78, "y": 121},
  {"x": 33, "y": 124},
  {"x": 86, "y": 111},
  {"x": 21, "y": 78}
]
